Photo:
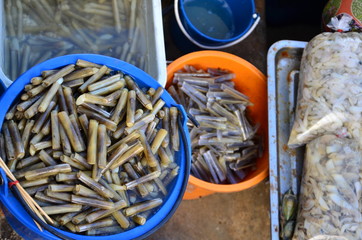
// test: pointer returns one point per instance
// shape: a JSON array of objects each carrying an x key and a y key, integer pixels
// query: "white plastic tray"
[{"x": 155, "y": 57}]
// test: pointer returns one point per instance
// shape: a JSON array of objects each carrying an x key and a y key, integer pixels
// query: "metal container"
[
  {"x": 148, "y": 53},
  {"x": 285, "y": 165}
]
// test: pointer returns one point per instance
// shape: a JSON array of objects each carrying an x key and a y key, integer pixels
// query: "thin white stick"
[{"x": 29, "y": 200}]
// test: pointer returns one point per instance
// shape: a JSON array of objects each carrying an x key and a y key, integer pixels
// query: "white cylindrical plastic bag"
[
  {"x": 330, "y": 199},
  {"x": 330, "y": 89}
]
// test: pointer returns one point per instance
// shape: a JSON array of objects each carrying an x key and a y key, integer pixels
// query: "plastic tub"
[
  {"x": 240, "y": 14},
  {"x": 15, "y": 213},
  {"x": 150, "y": 41},
  {"x": 250, "y": 81}
]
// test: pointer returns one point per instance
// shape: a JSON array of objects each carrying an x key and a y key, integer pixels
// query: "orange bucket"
[{"x": 251, "y": 82}]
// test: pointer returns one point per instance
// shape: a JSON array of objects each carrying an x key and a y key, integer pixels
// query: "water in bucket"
[{"x": 212, "y": 17}]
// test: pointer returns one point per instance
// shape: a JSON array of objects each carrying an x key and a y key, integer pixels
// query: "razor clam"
[
  {"x": 85, "y": 157},
  {"x": 54, "y": 28},
  {"x": 225, "y": 144}
]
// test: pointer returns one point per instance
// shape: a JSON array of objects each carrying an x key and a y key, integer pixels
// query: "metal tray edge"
[{"x": 273, "y": 161}]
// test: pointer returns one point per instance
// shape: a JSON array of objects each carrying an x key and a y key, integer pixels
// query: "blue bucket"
[
  {"x": 14, "y": 212},
  {"x": 239, "y": 15}
]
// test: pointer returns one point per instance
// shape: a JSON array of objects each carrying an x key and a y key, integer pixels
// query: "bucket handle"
[
  {"x": 4, "y": 79},
  {"x": 256, "y": 18}
]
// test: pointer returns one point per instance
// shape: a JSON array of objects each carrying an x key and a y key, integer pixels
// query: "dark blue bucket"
[
  {"x": 16, "y": 215},
  {"x": 240, "y": 15}
]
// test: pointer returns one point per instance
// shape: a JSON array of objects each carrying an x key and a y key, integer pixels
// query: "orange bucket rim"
[
  {"x": 171, "y": 68},
  {"x": 227, "y": 188}
]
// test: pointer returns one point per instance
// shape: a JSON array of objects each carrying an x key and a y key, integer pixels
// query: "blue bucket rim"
[
  {"x": 174, "y": 197},
  {"x": 221, "y": 41}
]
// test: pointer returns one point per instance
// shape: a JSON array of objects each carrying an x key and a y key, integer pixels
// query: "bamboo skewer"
[{"x": 28, "y": 199}]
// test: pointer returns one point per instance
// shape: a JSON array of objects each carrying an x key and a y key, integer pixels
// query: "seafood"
[
  {"x": 39, "y": 30},
  {"x": 224, "y": 132},
  {"x": 87, "y": 151},
  {"x": 289, "y": 205},
  {"x": 329, "y": 98},
  {"x": 330, "y": 198},
  {"x": 66, "y": 208},
  {"x": 288, "y": 217}
]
